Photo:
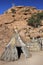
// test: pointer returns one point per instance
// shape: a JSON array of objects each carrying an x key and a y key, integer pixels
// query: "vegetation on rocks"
[
  {"x": 40, "y": 15},
  {"x": 35, "y": 20}
]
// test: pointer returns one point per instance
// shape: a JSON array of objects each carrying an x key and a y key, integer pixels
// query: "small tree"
[{"x": 34, "y": 21}]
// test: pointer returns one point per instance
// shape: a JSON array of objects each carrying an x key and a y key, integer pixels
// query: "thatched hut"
[{"x": 14, "y": 48}]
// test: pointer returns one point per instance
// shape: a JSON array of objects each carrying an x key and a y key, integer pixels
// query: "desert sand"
[{"x": 35, "y": 59}]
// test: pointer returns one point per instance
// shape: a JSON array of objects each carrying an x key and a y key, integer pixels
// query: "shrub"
[
  {"x": 34, "y": 21},
  {"x": 40, "y": 15}
]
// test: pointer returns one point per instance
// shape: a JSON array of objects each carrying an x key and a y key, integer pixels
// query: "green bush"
[
  {"x": 35, "y": 20},
  {"x": 40, "y": 15}
]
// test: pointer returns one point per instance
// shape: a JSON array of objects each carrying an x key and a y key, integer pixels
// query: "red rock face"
[{"x": 17, "y": 19}]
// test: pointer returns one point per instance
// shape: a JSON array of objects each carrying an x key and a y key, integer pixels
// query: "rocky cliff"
[{"x": 16, "y": 17}]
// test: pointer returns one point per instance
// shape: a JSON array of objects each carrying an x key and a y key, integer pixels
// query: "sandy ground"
[{"x": 35, "y": 59}]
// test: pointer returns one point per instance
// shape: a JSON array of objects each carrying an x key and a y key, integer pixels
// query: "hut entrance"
[{"x": 19, "y": 50}]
